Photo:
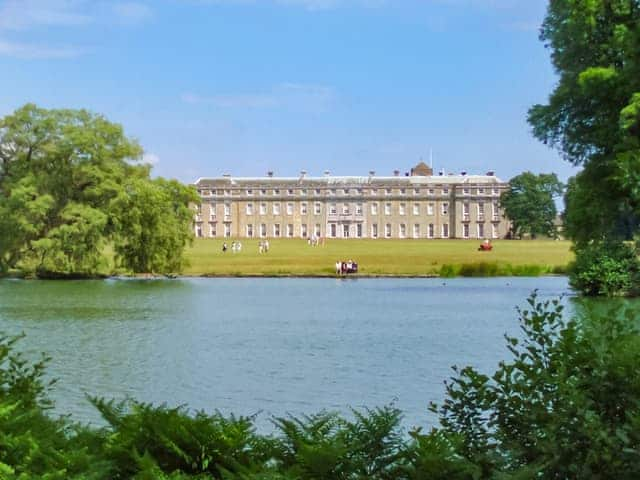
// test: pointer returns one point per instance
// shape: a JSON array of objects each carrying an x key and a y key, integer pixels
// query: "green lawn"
[{"x": 376, "y": 257}]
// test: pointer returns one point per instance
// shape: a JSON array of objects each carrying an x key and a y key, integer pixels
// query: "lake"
[{"x": 266, "y": 346}]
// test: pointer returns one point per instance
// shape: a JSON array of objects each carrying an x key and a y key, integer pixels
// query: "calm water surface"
[{"x": 273, "y": 346}]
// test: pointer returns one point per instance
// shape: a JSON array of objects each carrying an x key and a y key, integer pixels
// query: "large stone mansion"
[{"x": 416, "y": 205}]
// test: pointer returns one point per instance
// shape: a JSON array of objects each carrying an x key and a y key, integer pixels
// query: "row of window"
[
  {"x": 348, "y": 231},
  {"x": 350, "y": 191},
  {"x": 358, "y": 209}
]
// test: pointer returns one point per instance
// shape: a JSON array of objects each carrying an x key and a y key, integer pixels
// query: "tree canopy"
[
  {"x": 71, "y": 184},
  {"x": 593, "y": 115},
  {"x": 529, "y": 204}
]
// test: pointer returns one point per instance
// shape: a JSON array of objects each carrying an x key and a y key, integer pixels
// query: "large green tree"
[
  {"x": 593, "y": 119},
  {"x": 66, "y": 183},
  {"x": 529, "y": 204},
  {"x": 593, "y": 115}
]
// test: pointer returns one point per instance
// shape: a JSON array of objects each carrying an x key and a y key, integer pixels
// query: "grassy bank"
[{"x": 381, "y": 257}]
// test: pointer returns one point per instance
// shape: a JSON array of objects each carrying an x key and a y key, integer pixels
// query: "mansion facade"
[{"x": 416, "y": 205}]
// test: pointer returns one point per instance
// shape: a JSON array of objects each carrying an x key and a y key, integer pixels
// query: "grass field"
[{"x": 381, "y": 257}]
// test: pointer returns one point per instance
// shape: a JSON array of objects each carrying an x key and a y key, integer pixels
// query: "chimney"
[
  {"x": 396, "y": 173},
  {"x": 463, "y": 173},
  {"x": 441, "y": 172},
  {"x": 270, "y": 174},
  {"x": 490, "y": 173},
  {"x": 372, "y": 173},
  {"x": 226, "y": 175},
  {"x": 303, "y": 173},
  {"x": 327, "y": 173}
]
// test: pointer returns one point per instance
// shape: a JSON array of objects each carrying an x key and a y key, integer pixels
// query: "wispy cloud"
[
  {"x": 26, "y": 14},
  {"x": 34, "y": 51},
  {"x": 312, "y": 5},
  {"x": 132, "y": 13},
  {"x": 150, "y": 158},
  {"x": 293, "y": 96}
]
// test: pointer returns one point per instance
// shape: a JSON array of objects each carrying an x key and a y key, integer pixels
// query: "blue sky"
[{"x": 245, "y": 86}]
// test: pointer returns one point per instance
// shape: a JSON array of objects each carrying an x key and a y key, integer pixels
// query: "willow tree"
[
  {"x": 593, "y": 115},
  {"x": 63, "y": 174}
]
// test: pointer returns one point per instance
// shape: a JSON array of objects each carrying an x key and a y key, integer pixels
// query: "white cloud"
[
  {"x": 34, "y": 51},
  {"x": 26, "y": 14},
  {"x": 293, "y": 96},
  {"x": 132, "y": 13},
  {"x": 150, "y": 158}
]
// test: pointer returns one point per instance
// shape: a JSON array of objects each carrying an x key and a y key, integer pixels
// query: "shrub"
[{"x": 605, "y": 269}]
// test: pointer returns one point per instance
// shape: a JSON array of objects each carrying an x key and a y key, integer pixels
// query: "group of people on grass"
[
  {"x": 342, "y": 268},
  {"x": 236, "y": 246}
]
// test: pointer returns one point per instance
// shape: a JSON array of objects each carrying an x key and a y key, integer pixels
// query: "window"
[
  {"x": 431, "y": 231},
  {"x": 403, "y": 191},
  {"x": 481, "y": 211},
  {"x": 276, "y": 229},
  {"x": 276, "y": 191},
  {"x": 445, "y": 230},
  {"x": 359, "y": 230},
  {"x": 387, "y": 209},
  {"x": 481, "y": 230},
  {"x": 227, "y": 193},
  {"x": 359, "y": 191},
  {"x": 403, "y": 230},
  {"x": 345, "y": 191},
  {"x": 432, "y": 191},
  {"x": 416, "y": 191},
  {"x": 198, "y": 230},
  {"x": 227, "y": 209},
  {"x": 276, "y": 209},
  {"x": 495, "y": 214},
  {"x": 402, "y": 210},
  {"x": 263, "y": 230},
  {"x": 317, "y": 230},
  {"x": 227, "y": 230},
  {"x": 333, "y": 209},
  {"x": 466, "y": 191},
  {"x": 494, "y": 231},
  {"x": 387, "y": 230},
  {"x": 212, "y": 230},
  {"x": 303, "y": 208},
  {"x": 345, "y": 209},
  {"x": 445, "y": 191},
  {"x": 374, "y": 208},
  {"x": 430, "y": 209},
  {"x": 359, "y": 209},
  {"x": 465, "y": 211},
  {"x": 263, "y": 209},
  {"x": 318, "y": 192},
  {"x": 374, "y": 191},
  {"x": 289, "y": 208},
  {"x": 249, "y": 230},
  {"x": 303, "y": 191},
  {"x": 316, "y": 208},
  {"x": 387, "y": 191},
  {"x": 333, "y": 230},
  {"x": 481, "y": 191},
  {"x": 263, "y": 191},
  {"x": 345, "y": 231},
  {"x": 465, "y": 230},
  {"x": 249, "y": 192},
  {"x": 290, "y": 191},
  {"x": 331, "y": 191},
  {"x": 303, "y": 230},
  {"x": 416, "y": 209},
  {"x": 212, "y": 211},
  {"x": 416, "y": 230},
  {"x": 495, "y": 191},
  {"x": 445, "y": 209},
  {"x": 374, "y": 230},
  {"x": 249, "y": 208},
  {"x": 290, "y": 230}
]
